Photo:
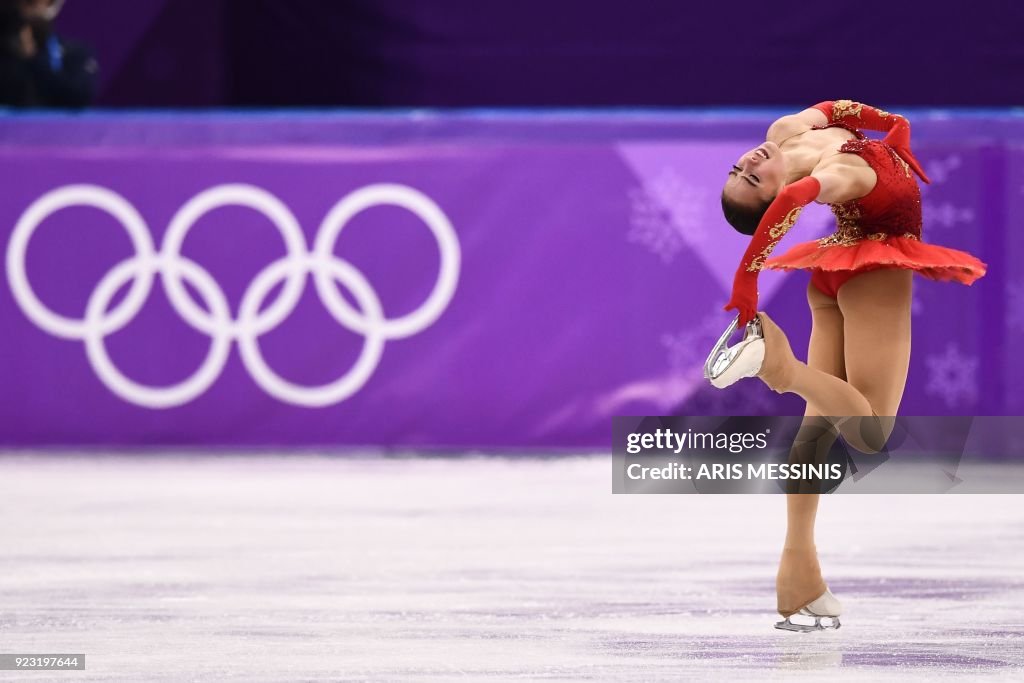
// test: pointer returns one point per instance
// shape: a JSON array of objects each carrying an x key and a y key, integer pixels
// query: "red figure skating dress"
[{"x": 879, "y": 230}]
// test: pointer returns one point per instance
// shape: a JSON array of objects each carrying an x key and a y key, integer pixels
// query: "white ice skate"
[
  {"x": 728, "y": 364},
  {"x": 825, "y": 607}
]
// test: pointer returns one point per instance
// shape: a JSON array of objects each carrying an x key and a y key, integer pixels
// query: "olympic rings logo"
[{"x": 174, "y": 269}]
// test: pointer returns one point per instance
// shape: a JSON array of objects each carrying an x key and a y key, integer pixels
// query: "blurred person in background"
[{"x": 38, "y": 68}]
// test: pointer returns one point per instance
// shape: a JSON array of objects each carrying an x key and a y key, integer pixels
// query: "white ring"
[
  {"x": 326, "y": 394},
  {"x": 140, "y": 394},
  {"x": 62, "y": 198},
  {"x": 431, "y": 214},
  {"x": 226, "y": 195},
  {"x": 326, "y": 269}
]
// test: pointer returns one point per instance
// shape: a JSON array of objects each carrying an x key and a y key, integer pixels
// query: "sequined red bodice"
[
  {"x": 891, "y": 209},
  {"x": 880, "y": 230}
]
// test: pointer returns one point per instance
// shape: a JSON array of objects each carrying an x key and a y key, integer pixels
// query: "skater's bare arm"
[
  {"x": 791, "y": 124},
  {"x": 843, "y": 183}
]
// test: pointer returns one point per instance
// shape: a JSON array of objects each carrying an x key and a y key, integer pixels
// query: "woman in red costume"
[{"x": 859, "y": 295}]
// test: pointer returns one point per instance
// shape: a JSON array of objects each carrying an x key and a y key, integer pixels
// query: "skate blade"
[
  {"x": 726, "y": 364},
  {"x": 788, "y": 625}
]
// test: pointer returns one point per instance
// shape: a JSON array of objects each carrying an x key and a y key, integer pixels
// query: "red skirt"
[{"x": 836, "y": 263}]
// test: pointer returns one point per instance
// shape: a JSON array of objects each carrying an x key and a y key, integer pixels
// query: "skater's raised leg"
[{"x": 875, "y": 311}]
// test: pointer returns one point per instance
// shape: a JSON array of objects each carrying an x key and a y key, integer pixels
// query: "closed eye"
[{"x": 737, "y": 169}]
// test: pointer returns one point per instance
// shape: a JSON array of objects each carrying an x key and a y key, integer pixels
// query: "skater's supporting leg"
[
  {"x": 824, "y": 354},
  {"x": 799, "y": 578}
]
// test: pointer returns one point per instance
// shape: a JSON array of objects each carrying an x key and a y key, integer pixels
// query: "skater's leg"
[
  {"x": 875, "y": 308},
  {"x": 876, "y": 311},
  {"x": 799, "y": 578},
  {"x": 825, "y": 355}
]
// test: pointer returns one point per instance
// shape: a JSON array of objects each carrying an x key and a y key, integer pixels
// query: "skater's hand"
[
  {"x": 899, "y": 139},
  {"x": 744, "y": 296}
]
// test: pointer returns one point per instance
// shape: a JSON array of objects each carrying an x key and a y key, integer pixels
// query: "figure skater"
[{"x": 859, "y": 295}]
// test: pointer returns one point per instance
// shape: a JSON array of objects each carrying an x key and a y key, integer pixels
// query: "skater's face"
[{"x": 757, "y": 176}]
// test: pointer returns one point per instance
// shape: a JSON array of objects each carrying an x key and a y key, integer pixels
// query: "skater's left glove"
[
  {"x": 775, "y": 223},
  {"x": 860, "y": 115}
]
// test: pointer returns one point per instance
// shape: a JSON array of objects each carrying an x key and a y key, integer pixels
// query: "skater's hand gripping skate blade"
[{"x": 744, "y": 296}]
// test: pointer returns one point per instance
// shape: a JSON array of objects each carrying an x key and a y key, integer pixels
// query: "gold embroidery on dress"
[
  {"x": 849, "y": 233},
  {"x": 906, "y": 166},
  {"x": 776, "y": 232},
  {"x": 843, "y": 108},
  {"x": 847, "y": 230}
]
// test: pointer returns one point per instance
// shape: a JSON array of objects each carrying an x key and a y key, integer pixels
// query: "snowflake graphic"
[
  {"x": 688, "y": 349},
  {"x": 747, "y": 397},
  {"x": 939, "y": 170},
  {"x": 1015, "y": 304},
  {"x": 916, "y": 305},
  {"x": 945, "y": 215},
  {"x": 667, "y": 213},
  {"x": 953, "y": 376}
]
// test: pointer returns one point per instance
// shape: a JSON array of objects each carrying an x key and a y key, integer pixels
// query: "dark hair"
[{"x": 744, "y": 217}]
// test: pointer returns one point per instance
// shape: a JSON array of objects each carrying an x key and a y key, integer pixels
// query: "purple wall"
[
  {"x": 541, "y": 274},
  {"x": 542, "y": 53}
]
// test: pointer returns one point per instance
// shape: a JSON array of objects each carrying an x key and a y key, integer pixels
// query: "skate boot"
[
  {"x": 726, "y": 364},
  {"x": 814, "y": 601},
  {"x": 764, "y": 352},
  {"x": 810, "y": 616}
]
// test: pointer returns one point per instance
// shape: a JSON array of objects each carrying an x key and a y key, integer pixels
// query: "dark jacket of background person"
[{"x": 37, "y": 68}]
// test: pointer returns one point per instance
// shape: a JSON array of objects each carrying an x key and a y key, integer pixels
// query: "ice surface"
[{"x": 253, "y": 568}]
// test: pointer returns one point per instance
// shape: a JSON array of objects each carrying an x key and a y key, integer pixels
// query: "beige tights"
[{"x": 853, "y": 381}]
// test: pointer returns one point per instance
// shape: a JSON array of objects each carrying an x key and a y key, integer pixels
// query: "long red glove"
[
  {"x": 861, "y": 115},
  {"x": 899, "y": 139},
  {"x": 858, "y": 115},
  {"x": 776, "y": 222}
]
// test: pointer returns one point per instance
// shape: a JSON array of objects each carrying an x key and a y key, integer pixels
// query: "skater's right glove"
[{"x": 775, "y": 223}]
